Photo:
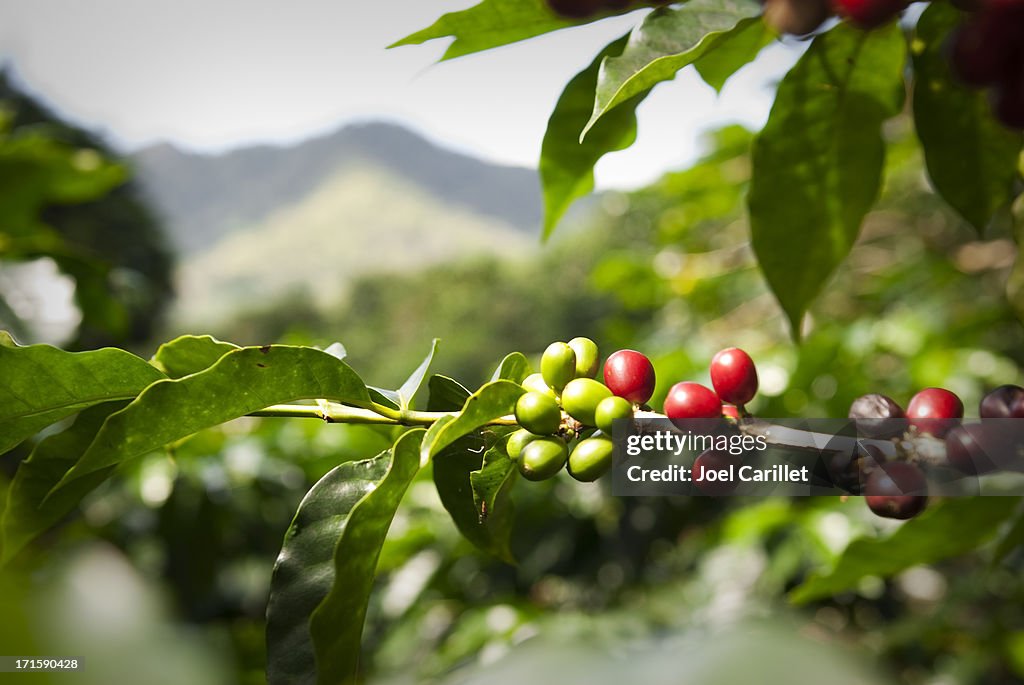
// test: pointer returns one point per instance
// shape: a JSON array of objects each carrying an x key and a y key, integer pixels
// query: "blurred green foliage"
[{"x": 64, "y": 199}]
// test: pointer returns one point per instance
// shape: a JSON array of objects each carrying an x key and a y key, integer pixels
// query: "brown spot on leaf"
[{"x": 265, "y": 349}]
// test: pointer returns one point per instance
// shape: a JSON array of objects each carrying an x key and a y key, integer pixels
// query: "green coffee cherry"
[
  {"x": 538, "y": 413},
  {"x": 542, "y": 458},
  {"x": 611, "y": 408},
  {"x": 587, "y": 357},
  {"x": 591, "y": 459},
  {"x": 517, "y": 441},
  {"x": 535, "y": 383},
  {"x": 581, "y": 397},
  {"x": 558, "y": 365}
]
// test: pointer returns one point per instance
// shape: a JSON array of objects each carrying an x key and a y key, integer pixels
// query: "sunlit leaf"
[
  {"x": 567, "y": 163},
  {"x": 736, "y": 49},
  {"x": 243, "y": 381},
  {"x": 489, "y": 24},
  {"x": 817, "y": 165},
  {"x": 190, "y": 354},
  {"x": 514, "y": 367},
  {"x": 407, "y": 393},
  {"x": 40, "y": 385},
  {"x": 666, "y": 41}
]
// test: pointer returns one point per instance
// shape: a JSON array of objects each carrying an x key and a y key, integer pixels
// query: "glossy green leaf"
[
  {"x": 243, "y": 381},
  {"x": 736, "y": 49},
  {"x": 817, "y": 165},
  {"x": 971, "y": 158},
  {"x": 953, "y": 527},
  {"x": 446, "y": 394},
  {"x": 566, "y": 163},
  {"x": 407, "y": 393},
  {"x": 455, "y": 468},
  {"x": 489, "y": 24},
  {"x": 40, "y": 385},
  {"x": 337, "y": 622},
  {"x": 666, "y": 41},
  {"x": 492, "y": 401},
  {"x": 25, "y": 516},
  {"x": 190, "y": 354},
  {"x": 333, "y": 541},
  {"x": 514, "y": 367}
]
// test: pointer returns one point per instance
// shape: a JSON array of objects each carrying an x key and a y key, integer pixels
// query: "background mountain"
[
  {"x": 205, "y": 197},
  {"x": 365, "y": 199}
]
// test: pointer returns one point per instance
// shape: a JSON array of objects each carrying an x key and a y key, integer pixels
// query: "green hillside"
[{"x": 358, "y": 221}]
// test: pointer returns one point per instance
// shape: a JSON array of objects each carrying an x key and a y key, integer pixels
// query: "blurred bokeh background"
[{"x": 367, "y": 224}]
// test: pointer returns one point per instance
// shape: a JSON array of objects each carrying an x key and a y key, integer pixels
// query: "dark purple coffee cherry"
[
  {"x": 796, "y": 17},
  {"x": 878, "y": 416},
  {"x": 1005, "y": 402},
  {"x": 896, "y": 490},
  {"x": 992, "y": 444},
  {"x": 576, "y": 9}
]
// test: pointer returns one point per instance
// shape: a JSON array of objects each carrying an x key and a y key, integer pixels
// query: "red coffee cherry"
[
  {"x": 734, "y": 376},
  {"x": 896, "y": 490},
  {"x": 1005, "y": 402},
  {"x": 692, "y": 401},
  {"x": 731, "y": 411},
  {"x": 869, "y": 14},
  {"x": 630, "y": 374},
  {"x": 934, "y": 411},
  {"x": 711, "y": 464}
]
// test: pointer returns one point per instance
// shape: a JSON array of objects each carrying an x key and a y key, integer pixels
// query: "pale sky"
[{"x": 212, "y": 74}]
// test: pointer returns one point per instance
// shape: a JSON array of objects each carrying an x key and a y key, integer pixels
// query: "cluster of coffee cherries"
[
  {"x": 584, "y": 9},
  {"x": 898, "y": 488},
  {"x": 566, "y": 416},
  {"x": 797, "y": 17},
  {"x": 800, "y": 17},
  {"x": 987, "y": 51}
]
